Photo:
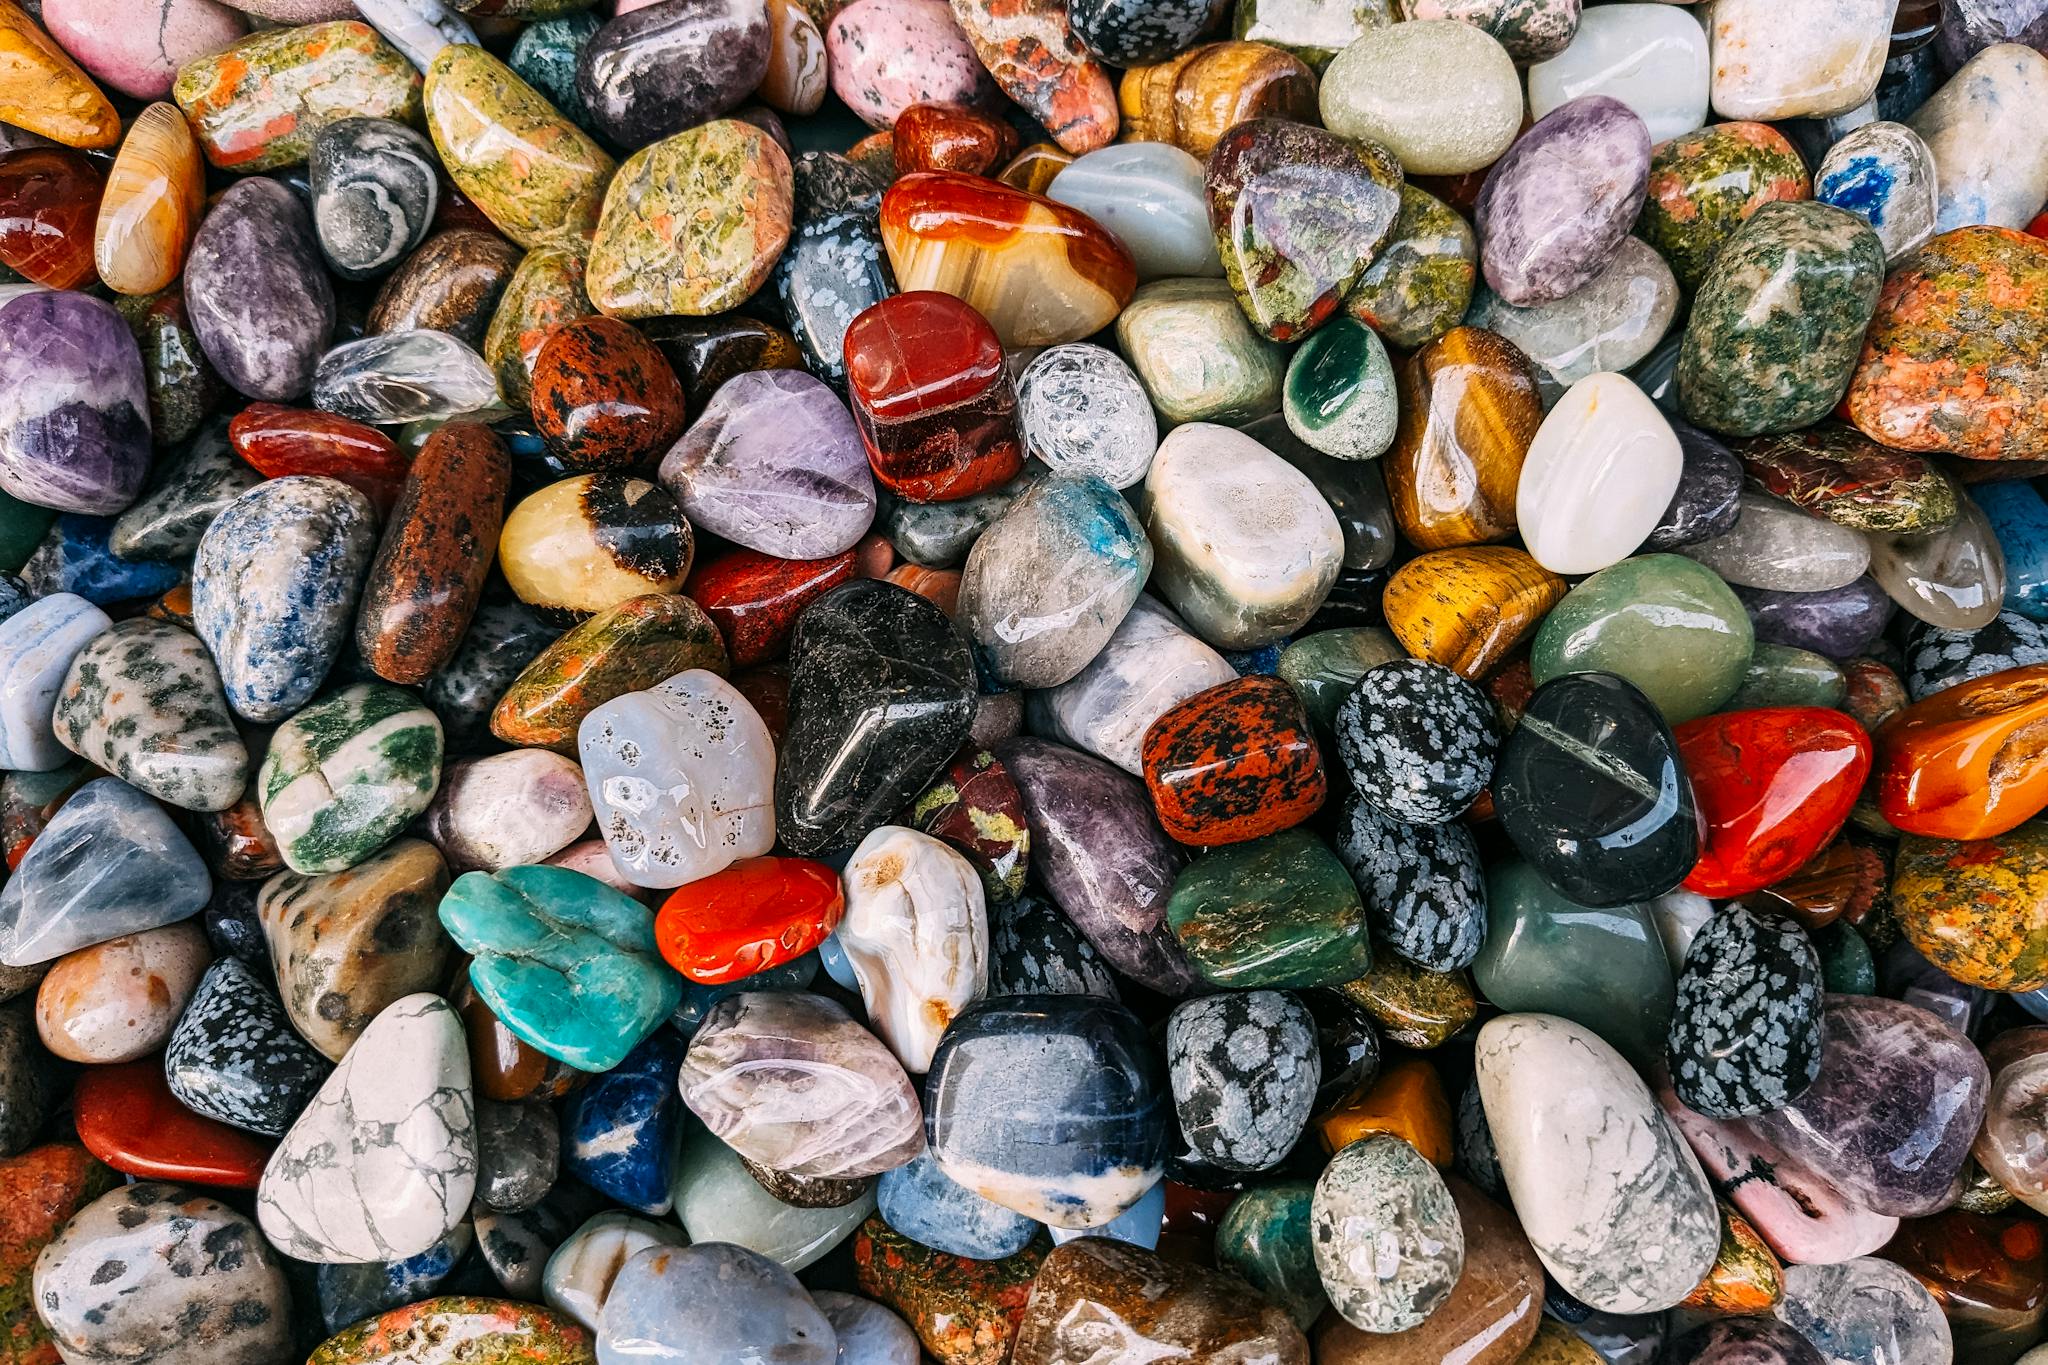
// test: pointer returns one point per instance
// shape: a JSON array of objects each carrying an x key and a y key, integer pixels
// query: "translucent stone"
[
  {"x": 412, "y": 376},
  {"x": 1084, "y": 412}
]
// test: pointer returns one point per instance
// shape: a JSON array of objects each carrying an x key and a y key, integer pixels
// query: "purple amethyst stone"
[
  {"x": 74, "y": 406},
  {"x": 1840, "y": 623},
  {"x": 1556, "y": 206},
  {"x": 257, "y": 291}
]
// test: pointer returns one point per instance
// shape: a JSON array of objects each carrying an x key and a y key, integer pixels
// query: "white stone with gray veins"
[
  {"x": 37, "y": 645},
  {"x": 1150, "y": 664},
  {"x": 1611, "y": 1198},
  {"x": 508, "y": 810},
  {"x": 382, "y": 1164},
  {"x": 143, "y": 701},
  {"x": 1418, "y": 740},
  {"x": 151, "y": 1274},
  {"x": 916, "y": 934},
  {"x": 1865, "y": 1311},
  {"x": 1388, "y": 1243},
  {"x": 1423, "y": 892},
  {"x": 1244, "y": 1069}
]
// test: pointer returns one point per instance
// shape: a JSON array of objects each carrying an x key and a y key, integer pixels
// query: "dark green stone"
[
  {"x": 1780, "y": 675},
  {"x": 22, "y": 527},
  {"x": 1323, "y": 668},
  {"x": 1339, "y": 394},
  {"x": 1264, "y": 1237},
  {"x": 1279, "y": 911},
  {"x": 1846, "y": 966}
]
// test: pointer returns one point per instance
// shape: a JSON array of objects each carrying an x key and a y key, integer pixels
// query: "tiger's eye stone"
[
  {"x": 1967, "y": 762},
  {"x": 1468, "y": 608},
  {"x": 49, "y": 200},
  {"x": 603, "y": 396},
  {"x": 257, "y": 105},
  {"x": 1773, "y": 786},
  {"x": 932, "y": 398},
  {"x": 156, "y": 191},
  {"x": 1470, "y": 406},
  {"x": 1705, "y": 184},
  {"x": 43, "y": 91},
  {"x": 1192, "y": 99},
  {"x": 593, "y": 542},
  {"x": 1978, "y": 909},
  {"x": 1234, "y": 762},
  {"x": 1040, "y": 272}
]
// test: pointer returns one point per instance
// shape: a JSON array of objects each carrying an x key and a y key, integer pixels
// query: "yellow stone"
[
  {"x": 155, "y": 193},
  {"x": 1407, "y": 1100},
  {"x": 44, "y": 91}
]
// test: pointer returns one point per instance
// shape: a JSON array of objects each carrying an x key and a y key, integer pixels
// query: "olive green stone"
[
  {"x": 1705, "y": 184},
  {"x": 1777, "y": 328},
  {"x": 22, "y": 526},
  {"x": 1605, "y": 969},
  {"x": 1339, "y": 394},
  {"x": 1846, "y": 966},
  {"x": 1197, "y": 357},
  {"x": 531, "y": 171},
  {"x": 346, "y": 775},
  {"x": 1780, "y": 675},
  {"x": 543, "y": 293},
  {"x": 1323, "y": 668},
  {"x": 1264, "y": 1237},
  {"x": 1413, "y": 1006},
  {"x": 1665, "y": 623},
  {"x": 1421, "y": 283},
  {"x": 1279, "y": 911}
]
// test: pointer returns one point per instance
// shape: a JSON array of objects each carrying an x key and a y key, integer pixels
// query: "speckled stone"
[
  {"x": 1424, "y": 895},
  {"x": 1420, "y": 284},
  {"x": 187, "y": 493},
  {"x": 1418, "y": 741},
  {"x": 1745, "y": 1030},
  {"x": 1244, "y": 1069},
  {"x": 1883, "y": 173},
  {"x": 1388, "y": 1241},
  {"x": 235, "y": 1057},
  {"x": 143, "y": 701}
]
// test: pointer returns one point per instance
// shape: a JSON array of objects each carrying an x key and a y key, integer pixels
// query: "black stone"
[
  {"x": 1424, "y": 894},
  {"x": 1349, "y": 1042},
  {"x": 1708, "y": 500},
  {"x": 1244, "y": 1068},
  {"x": 1744, "y": 1341},
  {"x": 833, "y": 270},
  {"x": 235, "y": 1057},
  {"x": 232, "y": 925},
  {"x": 503, "y": 638},
  {"x": 29, "y": 1080},
  {"x": 1140, "y": 32},
  {"x": 1591, "y": 790},
  {"x": 1034, "y": 949},
  {"x": 1746, "y": 1025},
  {"x": 1417, "y": 740},
  {"x": 1938, "y": 658}
]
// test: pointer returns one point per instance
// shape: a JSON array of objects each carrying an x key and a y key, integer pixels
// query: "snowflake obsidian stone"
[
  {"x": 1746, "y": 1029},
  {"x": 1034, "y": 949},
  {"x": 1244, "y": 1069},
  {"x": 1421, "y": 883},
  {"x": 1418, "y": 740}
]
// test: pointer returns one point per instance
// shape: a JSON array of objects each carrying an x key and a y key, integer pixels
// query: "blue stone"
[
  {"x": 2019, "y": 518},
  {"x": 1139, "y": 1224},
  {"x": 924, "y": 1203},
  {"x": 350, "y": 1293},
  {"x": 74, "y": 557},
  {"x": 832, "y": 957},
  {"x": 567, "y": 963},
  {"x": 714, "y": 1304},
  {"x": 619, "y": 1132},
  {"x": 1054, "y": 1106},
  {"x": 797, "y": 974}
]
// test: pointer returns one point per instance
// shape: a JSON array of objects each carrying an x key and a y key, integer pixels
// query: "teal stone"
[
  {"x": 1602, "y": 968},
  {"x": 1780, "y": 675},
  {"x": 545, "y": 58},
  {"x": 1339, "y": 393},
  {"x": 1279, "y": 911},
  {"x": 1846, "y": 966},
  {"x": 1323, "y": 668},
  {"x": 1777, "y": 328},
  {"x": 346, "y": 775},
  {"x": 22, "y": 527},
  {"x": 1665, "y": 623},
  {"x": 1264, "y": 1238},
  {"x": 564, "y": 961}
]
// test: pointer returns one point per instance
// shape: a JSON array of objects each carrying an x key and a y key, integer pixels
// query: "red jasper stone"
[
  {"x": 49, "y": 204},
  {"x": 1234, "y": 762},
  {"x": 950, "y": 137},
  {"x": 932, "y": 398},
  {"x": 128, "y": 1118},
  {"x": 1773, "y": 785},
  {"x": 767, "y": 688},
  {"x": 975, "y": 806},
  {"x": 754, "y": 598},
  {"x": 604, "y": 396},
  {"x": 279, "y": 441},
  {"x": 754, "y": 915}
]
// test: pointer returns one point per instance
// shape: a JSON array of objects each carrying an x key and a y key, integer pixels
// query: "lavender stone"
[
  {"x": 258, "y": 294},
  {"x": 658, "y": 70},
  {"x": 74, "y": 407},
  {"x": 1840, "y": 623},
  {"x": 1555, "y": 208}
]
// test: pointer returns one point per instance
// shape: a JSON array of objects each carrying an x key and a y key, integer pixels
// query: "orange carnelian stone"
[
  {"x": 932, "y": 398},
  {"x": 756, "y": 914},
  {"x": 1773, "y": 785},
  {"x": 49, "y": 201},
  {"x": 128, "y": 1118},
  {"x": 950, "y": 137},
  {"x": 278, "y": 441},
  {"x": 1969, "y": 762}
]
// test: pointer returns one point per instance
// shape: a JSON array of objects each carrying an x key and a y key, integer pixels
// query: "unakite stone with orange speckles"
[
  {"x": 1705, "y": 184},
  {"x": 965, "y": 1312},
  {"x": 1746, "y": 1278},
  {"x": 460, "y": 1331},
  {"x": 693, "y": 224},
  {"x": 627, "y": 648},
  {"x": 544, "y": 292},
  {"x": 258, "y": 104},
  {"x": 532, "y": 172},
  {"x": 1978, "y": 909}
]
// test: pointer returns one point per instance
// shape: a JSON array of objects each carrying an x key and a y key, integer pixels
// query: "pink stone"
[
  {"x": 137, "y": 46},
  {"x": 886, "y": 55},
  {"x": 593, "y": 859}
]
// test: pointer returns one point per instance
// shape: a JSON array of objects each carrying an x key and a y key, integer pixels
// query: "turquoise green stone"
[
  {"x": 346, "y": 775},
  {"x": 1665, "y": 623},
  {"x": 1279, "y": 911},
  {"x": 1264, "y": 1238},
  {"x": 1323, "y": 668},
  {"x": 1604, "y": 969},
  {"x": 1339, "y": 393},
  {"x": 1846, "y": 966},
  {"x": 22, "y": 526},
  {"x": 1777, "y": 328},
  {"x": 1780, "y": 675},
  {"x": 567, "y": 963}
]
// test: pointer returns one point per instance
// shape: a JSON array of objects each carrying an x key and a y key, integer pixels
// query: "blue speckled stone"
[
  {"x": 924, "y": 1203},
  {"x": 797, "y": 974},
  {"x": 274, "y": 589},
  {"x": 350, "y": 1293},
  {"x": 545, "y": 58},
  {"x": 2019, "y": 518},
  {"x": 1052, "y": 1105},
  {"x": 566, "y": 963},
  {"x": 619, "y": 1131},
  {"x": 74, "y": 557},
  {"x": 234, "y": 1055}
]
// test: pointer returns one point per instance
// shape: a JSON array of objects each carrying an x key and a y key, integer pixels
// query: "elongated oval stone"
[
  {"x": 257, "y": 290},
  {"x": 625, "y": 648},
  {"x": 37, "y": 645},
  {"x": 274, "y": 585},
  {"x": 143, "y": 701},
  {"x": 1610, "y": 1196},
  {"x": 1746, "y": 1031},
  {"x": 44, "y": 91},
  {"x": 1555, "y": 208},
  {"x": 258, "y": 105},
  {"x": 658, "y": 69}
]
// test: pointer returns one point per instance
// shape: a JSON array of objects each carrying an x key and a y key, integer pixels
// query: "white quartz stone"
[
  {"x": 1807, "y": 60},
  {"x": 1245, "y": 547},
  {"x": 916, "y": 934},
  {"x": 382, "y": 1164},
  {"x": 580, "y": 1272},
  {"x": 1777, "y": 546},
  {"x": 1150, "y": 665},
  {"x": 1441, "y": 95},
  {"x": 1150, "y": 195},
  {"x": 1082, "y": 411},
  {"x": 507, "y": 810},
  {"x": 682, "y": 777},
  {"x": 37, "y": 645},
  {"x": 1611, "y": 1198},
  {"x": 1653, "y": 58},
  {"x": 1598, "y": 476},
  {"x": 1988, "y": 132}
]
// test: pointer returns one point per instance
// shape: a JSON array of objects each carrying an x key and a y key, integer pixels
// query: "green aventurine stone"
[
  {"x": 1778, "y": 326},
  {"x": 1605, "y": 969},
  {"x": 344, "y": 776},
  {"x": 1420, "y": 284},
  {"x": 1339, "y": 395},
  {"x": 22, "y": 526},
  {"x": 1780, "y": 675},
  {"x": 1665, "y": 623},
  {"x": 1264, "y": 1237},
  {"x": 1279, "y": 911},
  {"x": 1323, "y": 668}
]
